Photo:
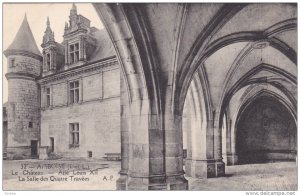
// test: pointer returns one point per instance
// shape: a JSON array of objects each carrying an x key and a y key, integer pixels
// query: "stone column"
[
  {"x": 154, "y": 149},
  {"x": 225, "y": 140},
  {"x": 154, "y": 133},
  {"x": 54, "y": 59},
  {"x": 51, "y": 96},
  {"x": 173, "y": 146},
  {"x": 124, "y": 115},
  {"x": 139, "y": 163},
  {"x": 201, "y": 164},
  {"x": 80, "y": 90},
  {"x": 68, "y": 92},
  {"x": 66, "y": 54},
  {"x": 43, "y": 97},
  {"x": 234, "y": 156},
  {"x": 82, "y": 54},
  {"x": 174, "y": 153},
  {"x": 51, "y": 59},
  {"x": 231, "y": 157},
  {"x": 44, "y": 62},
  {"x": 219, "y": 164}
]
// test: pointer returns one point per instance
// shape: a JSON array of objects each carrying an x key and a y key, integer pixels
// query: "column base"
[
  {"x": 177, "y": 183},
  {"x": 143, "y": 183},
  {"x": 43, "y": 152},
  {"x": 220, "y": 168},
  {"x": 204, "y": 168},
  {"x": 152, "y": 183},
  {"x": 121, "y": 183},
  {"x": 200, "y": 168},
  {"x": 232, "y": 159}
]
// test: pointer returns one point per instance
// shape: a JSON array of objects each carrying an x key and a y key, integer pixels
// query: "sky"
[{"x": 13, "y": 15}]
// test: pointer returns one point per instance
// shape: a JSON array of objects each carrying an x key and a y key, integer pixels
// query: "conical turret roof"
[{"x": 24, "y": 40}]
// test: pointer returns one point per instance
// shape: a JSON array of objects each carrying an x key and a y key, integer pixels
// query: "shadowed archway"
[{"x": 265, "y": 132}]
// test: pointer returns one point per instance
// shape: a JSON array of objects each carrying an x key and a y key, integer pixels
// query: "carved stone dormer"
[
  {"x": 49, "y": 34},
  {"x": 78, "y": 39},
  {"x": 49, "y": 51}
]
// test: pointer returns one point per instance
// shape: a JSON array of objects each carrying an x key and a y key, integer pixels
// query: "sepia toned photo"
[{"x": 149, "y": 96}]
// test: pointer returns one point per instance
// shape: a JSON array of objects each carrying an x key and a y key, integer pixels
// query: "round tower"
[{"x": 23, "y": 115}]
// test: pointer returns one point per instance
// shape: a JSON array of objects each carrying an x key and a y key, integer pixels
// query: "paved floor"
[
  {"x": 256, "y": 177},
  {"x": 270, "y": 176}
]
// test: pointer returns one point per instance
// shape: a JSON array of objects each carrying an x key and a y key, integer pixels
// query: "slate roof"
[
  {"x": 24, "y": 40},
  {"x": 104, "y": 46}
]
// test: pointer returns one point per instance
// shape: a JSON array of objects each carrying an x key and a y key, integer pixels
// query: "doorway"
[
  {"x": 34, "y": 148},
  {"x": 51, "y": 144}
]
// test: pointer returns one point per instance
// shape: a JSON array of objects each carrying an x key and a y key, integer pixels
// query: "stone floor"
[
  {"x": 255, "y": 177},
  {"x": 269, "y": 176}
]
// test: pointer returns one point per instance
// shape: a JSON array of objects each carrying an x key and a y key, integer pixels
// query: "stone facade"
[
  {"x": 97, "y": 113},
  {"x": 64, "y": 102},
  {"x": 23, "y": 116}
]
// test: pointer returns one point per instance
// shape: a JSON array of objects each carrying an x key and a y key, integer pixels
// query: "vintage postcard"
[{"x": 150, "y": 96}]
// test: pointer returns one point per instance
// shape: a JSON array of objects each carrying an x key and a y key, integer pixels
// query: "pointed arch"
[
  {"x": 266, "y": 92},
  {"x": 194, "y": 58},
  {"x": 261, "y": 94},
  {"x": 130, "y": 44},
  {"x": 252, "y": 36},
  {"x": 245, "y": 80},
  {"x": 249, "y": 96}
]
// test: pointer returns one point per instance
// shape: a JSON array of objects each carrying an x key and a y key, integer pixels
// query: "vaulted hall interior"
[{"x": 179, "y": 93}]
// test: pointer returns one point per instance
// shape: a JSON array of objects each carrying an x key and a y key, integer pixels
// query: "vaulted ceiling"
[{"x": 236, "y": 45}]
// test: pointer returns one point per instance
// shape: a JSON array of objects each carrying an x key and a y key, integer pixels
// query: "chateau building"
[{"x": 65, "y": 100}]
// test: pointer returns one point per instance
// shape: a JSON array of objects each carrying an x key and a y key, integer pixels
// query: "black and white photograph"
[{"x": 150, "y": 96}]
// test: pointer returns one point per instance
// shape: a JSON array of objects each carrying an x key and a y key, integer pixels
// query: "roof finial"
[
  {"x": 73, "y": 11},
  {"x": 48, "y": 21},
  {"x": 25, "y": 16},
  {"x": 74, "y": 6}
]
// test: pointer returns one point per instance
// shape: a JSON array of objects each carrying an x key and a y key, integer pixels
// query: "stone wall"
[
  {"x": 98, "y": 116},
  {"x": 23, "y": 115},
  {"x": 24, "y": 64},
  {"x": 266, "y": 132},
  {"x": 4, "y": 139}
]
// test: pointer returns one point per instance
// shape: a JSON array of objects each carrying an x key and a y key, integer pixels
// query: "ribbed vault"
[{"x": 211, "y": 52}]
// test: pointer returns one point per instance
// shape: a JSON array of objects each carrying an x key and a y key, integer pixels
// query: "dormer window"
[
  {"x": 74, "y": 53},
  {"x": 79, "y": 40},
  {"x": 51, "y": 53}
]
